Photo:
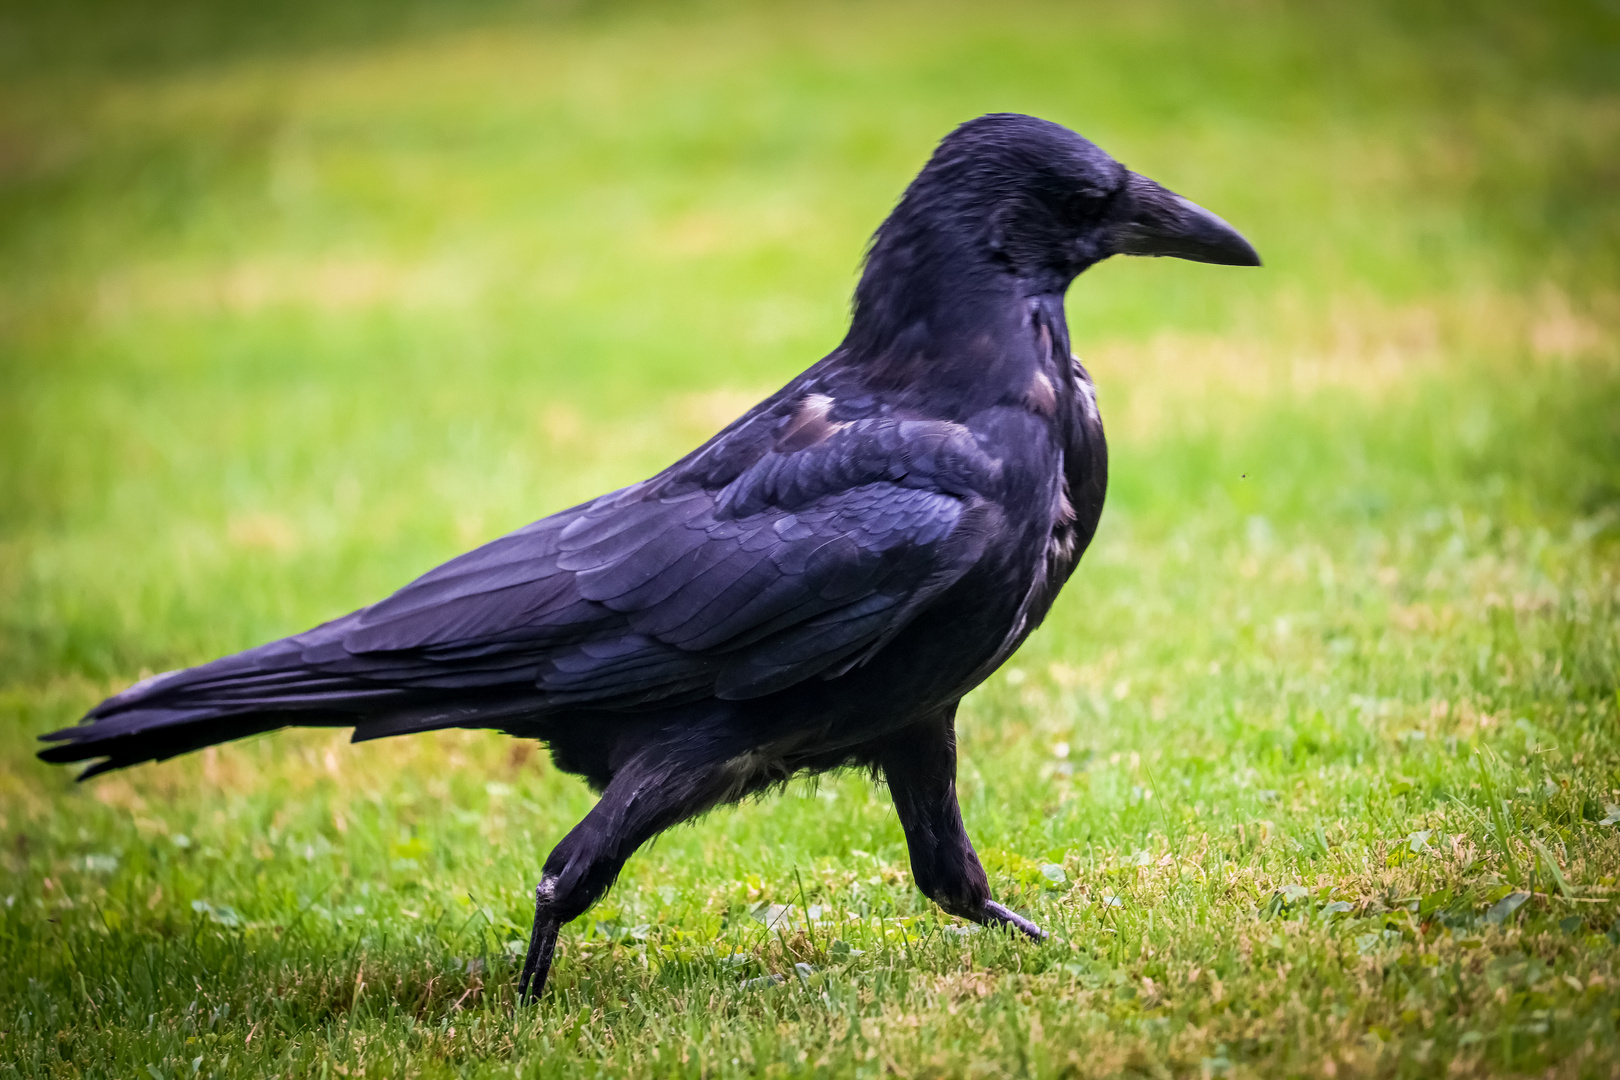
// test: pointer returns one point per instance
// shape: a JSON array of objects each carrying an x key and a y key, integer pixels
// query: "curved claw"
[
  {"x": 995, "y": 914},
  {"x": 542, "y": 943}
]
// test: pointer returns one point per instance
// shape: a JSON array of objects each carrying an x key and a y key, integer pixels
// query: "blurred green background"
[{"x": 298, "y": 299}]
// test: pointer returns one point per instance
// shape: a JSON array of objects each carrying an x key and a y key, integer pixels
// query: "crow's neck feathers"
[
  {"x": 939, "y": 295},
  {"x": 987, "y": 234}
]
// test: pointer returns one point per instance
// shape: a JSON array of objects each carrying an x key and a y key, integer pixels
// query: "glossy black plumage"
[{"x": 816, "y": 586}]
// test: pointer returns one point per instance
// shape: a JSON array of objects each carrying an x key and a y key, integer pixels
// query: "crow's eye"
[{"x": 1084, "y": 205}]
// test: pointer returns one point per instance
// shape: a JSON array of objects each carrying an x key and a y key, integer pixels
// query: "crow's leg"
[
  {"x": 645, "y": 797},
  {"x": 919, "y": 763}
]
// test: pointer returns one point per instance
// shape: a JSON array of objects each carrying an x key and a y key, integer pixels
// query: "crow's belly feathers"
[{"x": 815, "y": 725}]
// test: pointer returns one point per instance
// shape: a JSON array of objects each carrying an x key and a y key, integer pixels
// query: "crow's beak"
[{"x": 1153, "y": 220}]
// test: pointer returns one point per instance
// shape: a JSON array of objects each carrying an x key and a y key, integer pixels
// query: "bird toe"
[{"x": 998, "y": 915}]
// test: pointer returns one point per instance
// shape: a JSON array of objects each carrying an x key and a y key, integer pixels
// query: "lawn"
[{"x": 1313, "y": 771}]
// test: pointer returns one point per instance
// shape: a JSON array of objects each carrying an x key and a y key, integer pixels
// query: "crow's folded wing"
[{"x": 803, "y": 565}]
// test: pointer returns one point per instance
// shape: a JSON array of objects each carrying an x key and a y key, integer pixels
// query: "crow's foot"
[
  {"x": 994, "y": 914},
  {"x": 542, "y": 943}
]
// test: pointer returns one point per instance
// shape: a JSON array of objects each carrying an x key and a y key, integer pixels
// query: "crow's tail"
[
  {"x": 285, "y": 684},
  {"x": 251, "y": 692}
]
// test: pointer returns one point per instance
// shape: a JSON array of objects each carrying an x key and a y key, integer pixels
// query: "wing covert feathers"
[{"x": 802, "y": 564}]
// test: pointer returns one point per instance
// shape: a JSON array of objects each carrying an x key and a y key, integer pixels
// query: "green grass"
[{"x": 1313, "y": 770}]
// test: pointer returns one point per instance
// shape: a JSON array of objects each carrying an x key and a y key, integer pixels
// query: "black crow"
[{"x": 816, "y": 586}]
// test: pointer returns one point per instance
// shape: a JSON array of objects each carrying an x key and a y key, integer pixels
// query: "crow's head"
[{"x": 1043, "y": 203}]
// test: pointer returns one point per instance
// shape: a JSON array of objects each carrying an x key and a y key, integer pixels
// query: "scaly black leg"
[
  {"x": 919, "y": 763},
  {"x": 650, "y": 793},
  {"x": 542, "y": 943}
]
